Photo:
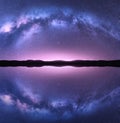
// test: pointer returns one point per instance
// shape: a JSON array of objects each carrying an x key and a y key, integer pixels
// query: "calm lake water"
[{"x": 60, "y": 94}]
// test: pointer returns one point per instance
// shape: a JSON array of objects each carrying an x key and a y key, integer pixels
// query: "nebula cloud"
[
  {"x": 59, "y": 30},
  {"x": 40, "y": 29}
]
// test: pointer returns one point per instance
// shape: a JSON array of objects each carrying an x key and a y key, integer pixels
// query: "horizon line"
[{"x": 60, "y": 63}]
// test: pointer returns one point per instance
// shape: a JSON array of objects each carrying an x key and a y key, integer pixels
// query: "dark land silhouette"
[{"x": 60, "y": 63}]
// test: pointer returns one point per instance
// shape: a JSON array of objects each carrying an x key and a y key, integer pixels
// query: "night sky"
[{"x": 59, "y": 30}]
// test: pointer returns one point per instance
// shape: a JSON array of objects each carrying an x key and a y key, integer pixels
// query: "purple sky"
[{"x": 60, "y": 30}]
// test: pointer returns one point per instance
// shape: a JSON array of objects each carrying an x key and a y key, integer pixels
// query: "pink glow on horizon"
[
  {"x": 55, "y": 71},
  {"x": 56, "y": 55}
]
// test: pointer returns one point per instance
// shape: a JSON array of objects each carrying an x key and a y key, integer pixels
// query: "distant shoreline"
[{"x": 60, "y": 63}]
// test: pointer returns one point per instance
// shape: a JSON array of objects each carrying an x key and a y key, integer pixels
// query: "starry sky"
[{"x": 59, "y": 30}]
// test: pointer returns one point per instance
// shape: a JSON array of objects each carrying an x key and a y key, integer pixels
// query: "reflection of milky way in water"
[
  {"x": 40, "y": 93},
  {"x": 50, "y": 30}
]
